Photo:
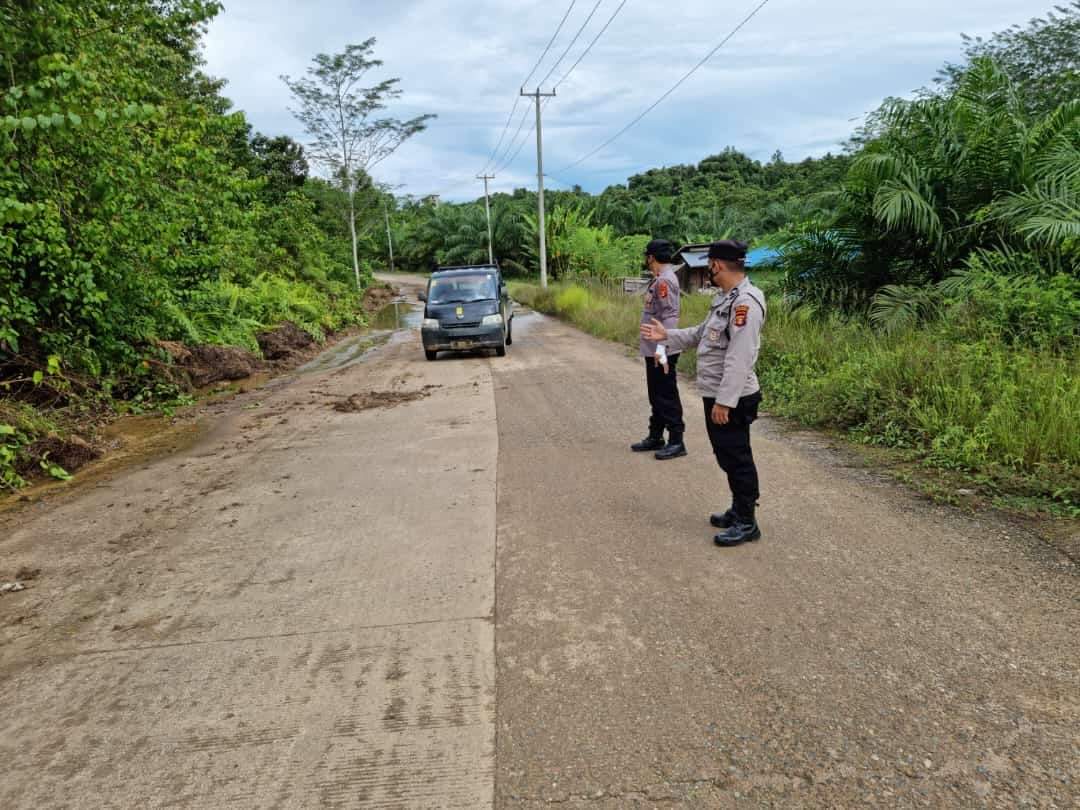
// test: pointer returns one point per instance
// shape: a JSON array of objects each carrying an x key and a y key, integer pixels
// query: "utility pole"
[
  {"x": 540, "y": 180},
  {"x": 487, "y": 208},
  {"x": 389, "y": 239}
]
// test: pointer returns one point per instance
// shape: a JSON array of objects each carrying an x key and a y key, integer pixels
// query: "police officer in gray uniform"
[
  {"x": 661, "y": 303},
  {"x": 727, "y": 343}
]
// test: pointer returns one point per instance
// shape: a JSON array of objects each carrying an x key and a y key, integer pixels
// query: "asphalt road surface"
[{"x": 392, "y": 583}]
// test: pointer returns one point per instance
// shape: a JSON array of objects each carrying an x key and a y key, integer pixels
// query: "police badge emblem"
[{"x": 714, "y": 336}]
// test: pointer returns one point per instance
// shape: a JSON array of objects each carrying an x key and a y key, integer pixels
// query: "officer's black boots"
[
  {"x": 738, "y": 533},
  {"x": 723, "y": 520},
  {"x": 673, "y": 449},
  {"x": 654, "y": 441}
]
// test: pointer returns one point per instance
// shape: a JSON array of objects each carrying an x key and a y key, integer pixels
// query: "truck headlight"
[
  {"x": 492, "y": 320},
  {"x": 430, "y": 323}
]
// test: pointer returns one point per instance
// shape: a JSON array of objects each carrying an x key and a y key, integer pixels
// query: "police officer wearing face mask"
[
  {"x": 661, "y": 303},
  {"x": 727, "y": 344}
]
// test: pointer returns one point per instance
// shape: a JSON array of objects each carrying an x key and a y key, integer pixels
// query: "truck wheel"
[
  {"x": 510, "y": 333},
  {"x": 500, "y": 351},
  {"x": 430, "y": 355}
]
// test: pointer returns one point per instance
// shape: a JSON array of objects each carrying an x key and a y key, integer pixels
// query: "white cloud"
[{"x": 792, "y": 79}]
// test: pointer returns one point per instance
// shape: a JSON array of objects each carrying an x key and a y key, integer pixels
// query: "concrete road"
[{"x": 314, "y": 607}]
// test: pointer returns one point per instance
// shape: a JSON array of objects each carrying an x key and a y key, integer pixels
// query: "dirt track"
[{"x": 304, "y": 610}]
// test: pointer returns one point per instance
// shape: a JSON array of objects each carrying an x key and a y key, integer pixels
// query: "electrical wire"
[
  {"x": 517, "y": 100},
  {"x": 560, "y": 181},
  {"x": 573, "y": 42},
  {"x": 671, "y": 90},
  {"x": 502, "y": 136},
  {"x": 551, "y": 42},
  {"x": 599, "y": 34},
  {"x": 595, "y": 39},
  {"x": 501, "y": 162},
  {"x": 521, "y": 145}
]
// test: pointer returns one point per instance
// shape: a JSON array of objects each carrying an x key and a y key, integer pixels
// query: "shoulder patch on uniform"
[
  {"x": 662, "y": 289},
  {"x": 741, "y": 312}
]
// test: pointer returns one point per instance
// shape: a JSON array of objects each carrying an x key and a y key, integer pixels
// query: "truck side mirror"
[{"x": 422, "y": 295}]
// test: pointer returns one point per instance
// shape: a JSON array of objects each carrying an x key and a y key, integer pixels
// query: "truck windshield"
[{"x": 462, "y": 289}]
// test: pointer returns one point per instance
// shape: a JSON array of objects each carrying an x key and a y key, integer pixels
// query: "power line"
[
  {"x": 445, "y": 189},
  {"x": 506, "y": 127},
  {"x": 673, "y": 88},
  {"x": 505, "y": 163},
  {"x": 520, "y": 146},
  {"x": 517, "y": 100},
  {"x": 571, "y": 45},
  {"x": 599, "y": 34},
  {"x": 550, "y": 43},
  {"x": 501, "y": 162},
  {"x": 559, "y": 180},
  {"x": 532, "y": 128}
]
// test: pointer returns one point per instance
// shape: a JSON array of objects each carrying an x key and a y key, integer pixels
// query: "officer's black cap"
[
  {"x": 660, "y": 249},
  {"x": 729, "y": 250}
]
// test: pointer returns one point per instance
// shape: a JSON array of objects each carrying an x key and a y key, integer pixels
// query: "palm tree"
[{"x": 952, "y": 174}]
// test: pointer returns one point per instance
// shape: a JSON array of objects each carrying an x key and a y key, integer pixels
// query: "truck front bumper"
[{"x": 442, "y": 339}]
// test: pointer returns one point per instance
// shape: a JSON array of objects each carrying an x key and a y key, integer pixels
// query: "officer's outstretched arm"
[{"x": 679, "y": 339}]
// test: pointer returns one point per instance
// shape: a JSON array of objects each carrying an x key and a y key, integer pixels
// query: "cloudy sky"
[{"x": 797, "y": 78}]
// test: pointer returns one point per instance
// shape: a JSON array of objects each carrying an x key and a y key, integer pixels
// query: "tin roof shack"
[
  {"x": 693, "y": 272},
  {"x": 692, "y": 267}
]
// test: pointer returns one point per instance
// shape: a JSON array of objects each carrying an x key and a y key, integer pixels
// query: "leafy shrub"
[
  {"x": 11, "y": 441},
  {"x": 571, "y": 300}
]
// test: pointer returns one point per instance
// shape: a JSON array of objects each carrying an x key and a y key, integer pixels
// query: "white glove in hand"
[{"x": 661, "y": 356}]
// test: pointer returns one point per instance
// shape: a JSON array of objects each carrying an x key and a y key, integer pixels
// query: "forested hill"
[
  {"x": 727, "y": 194},
  {"x": 731, "y": 168}
]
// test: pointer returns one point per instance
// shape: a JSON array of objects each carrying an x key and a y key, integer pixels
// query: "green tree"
[
  {"x": 1042, "y": 58},
  {"x": 340, "y": 116},
  {"x": 947, "y": 178},
  {"x": 280, "y": 163}
]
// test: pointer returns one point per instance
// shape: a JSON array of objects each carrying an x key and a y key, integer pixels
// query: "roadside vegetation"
[{"x": 140, "y": 216}]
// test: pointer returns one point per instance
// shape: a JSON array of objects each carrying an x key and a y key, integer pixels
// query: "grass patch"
[{"x": 1004, "y": 418}]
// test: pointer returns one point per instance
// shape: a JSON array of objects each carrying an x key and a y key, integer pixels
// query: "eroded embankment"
[{"x": 96, "y": 440}]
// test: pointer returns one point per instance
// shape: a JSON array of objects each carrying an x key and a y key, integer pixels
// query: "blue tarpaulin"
[{"x": 762, "y": 256}]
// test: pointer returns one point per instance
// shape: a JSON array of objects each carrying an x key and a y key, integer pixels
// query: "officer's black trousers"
[
  {"x": 731, "y": 445},
  {"x": 664, "y": 398}
]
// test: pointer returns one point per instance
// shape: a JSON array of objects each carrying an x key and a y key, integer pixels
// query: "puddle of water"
[
  {"x": 398, "y": 315},
  {"x": 349, "y": 351},
  {"x": 389, "y": 324}
]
